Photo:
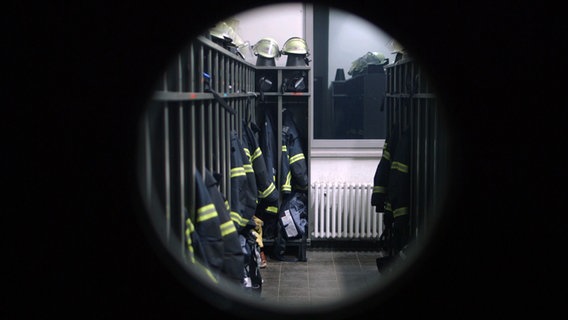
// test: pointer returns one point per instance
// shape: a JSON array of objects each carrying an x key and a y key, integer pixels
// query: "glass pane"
[{"x": 349, "y": 77}]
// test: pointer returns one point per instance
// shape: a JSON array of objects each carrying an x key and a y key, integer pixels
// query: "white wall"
[
  {"x": 278, "y": 21},
  {"x": 346, "y": 170},
  {"x": 350, "y": 162}
]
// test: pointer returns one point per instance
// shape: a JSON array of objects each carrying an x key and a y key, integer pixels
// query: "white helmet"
[
  {"x": 222, "y": 31},
  {"x": 295, "y": 45},
  {"x": 297, "y": 51},
  {"x": 267, "y": 48}
]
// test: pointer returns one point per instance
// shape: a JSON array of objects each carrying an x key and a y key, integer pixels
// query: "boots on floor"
[{"x": 262, "y": 260}]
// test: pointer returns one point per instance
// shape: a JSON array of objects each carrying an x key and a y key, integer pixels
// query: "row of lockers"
[{"x": 204, "y": 95}]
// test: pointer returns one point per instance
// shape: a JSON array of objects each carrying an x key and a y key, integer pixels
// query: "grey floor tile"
[
  {"x": 268, "y": 291},
  {"x": 293, "y": 291},
  {"x": 312, "y": 269},
  {"x": 319, "y": 256},
  {"x": 294, "y": 276},
  {"x": 293, "y": 281},
  {"x": 329, "y": 275},
  {"x": 323, "y": 284},
  {"x": 345, "y": 256},
  {"x": 324, "y": 292},
  {"x": 291, "y": 300}
]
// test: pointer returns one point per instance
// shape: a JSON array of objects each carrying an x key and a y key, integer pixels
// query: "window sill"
[{"x": 347, "y": 149}]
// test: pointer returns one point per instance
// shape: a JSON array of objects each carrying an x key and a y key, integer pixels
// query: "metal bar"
[
  {"x": 182, "y": 176},
  {"x": 167, "y": 177},
  {"x": 207, "y": 139},
  {"x": 427, "y": 165},
  {"x": 193, "y": 158}
]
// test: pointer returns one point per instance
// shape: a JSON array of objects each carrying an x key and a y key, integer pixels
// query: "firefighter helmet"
[
  {"x": 297, "y": 51},
  {"x": 295, "y": 45},
  {"x": 266, "y": 50},
  {"x": 266, "y": 47},
  {"x": 222, "y": 31}
]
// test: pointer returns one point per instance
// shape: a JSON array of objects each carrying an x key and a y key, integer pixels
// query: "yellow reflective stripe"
[
  {"x": 379, "y": 189},
  {"x": 227, "y": 204},
  {"x": 297, "y": 157},
  {"x": 206, "y": 212},
  {"x": 189, "y": 225},
  {"x": 267, "y": 192},
  {"x": 237, "y": 172},
  {"x": 208, "y": 272},
  {"x": 386, "y": 155},
  {"x": 400, "y": 212},
  {"x": 388, "y": 206},
  {"x": 190, "y": 228},
  {"x": 288, "y": 184},
  {"x": 248, "y": 168},
  {"x": 204, "y": 269},
  {"x": 399, "y": 167},
  {"x": 227, "y": 228},
  {"x": 238, "y": 219},
  {"x": 235, "y": 216},
  {"x": 272, "y": 209},
  {"x": 247, "y": 152},
  {"x": 284, "y": 148},
  {"x": 257, "y": 153}
]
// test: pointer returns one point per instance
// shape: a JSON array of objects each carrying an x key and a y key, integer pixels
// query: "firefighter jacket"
[
  {"x": 196, "y": 251},
  {"x": 269, "y": 145},
  {"x": 399, "y": 178},
  {"x": 294, "y": 171},
  {"x": 381, "y": 178},
  {"x": 398, "y": 197},
  {"x": 268, "y": 194},
  {"x": 233, "y": 265},
  {"x": 205, "y": 223},
  {"x": 391, "y": 192},
  {"x": 243, "y": 185}
]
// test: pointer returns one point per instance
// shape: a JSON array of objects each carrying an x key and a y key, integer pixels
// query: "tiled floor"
[{"x": 327, "y": 274}]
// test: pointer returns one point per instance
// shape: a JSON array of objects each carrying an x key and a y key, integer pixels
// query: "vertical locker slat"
[
  {"x": 426, "y": 185},
  {"x": 148, "y": 150},
  {"x": 180, "y": 203},
  {"x": 227, "y": 175},
  {"x": 217, "y": 141},
  {"x": 192, "y": 78},
  {"x": 208, "y": 120},
  {"x": 216, "y": 109},
  {"x": 416, "y": 200},
  {"x": 167, "y": 177},
  {"x": 435, "y": 162}
]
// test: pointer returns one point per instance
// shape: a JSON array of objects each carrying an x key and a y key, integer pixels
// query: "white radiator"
[{"x": 344, "y": 211}]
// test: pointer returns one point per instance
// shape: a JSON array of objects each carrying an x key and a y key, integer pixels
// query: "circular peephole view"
[{"x": 293, "y": 155}]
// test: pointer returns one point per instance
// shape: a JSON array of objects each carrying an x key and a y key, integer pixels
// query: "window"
[{"x": 348, "y": 102}]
